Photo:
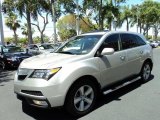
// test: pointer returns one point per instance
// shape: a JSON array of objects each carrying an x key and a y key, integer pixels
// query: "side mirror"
[{"x": 107, "y": 51}]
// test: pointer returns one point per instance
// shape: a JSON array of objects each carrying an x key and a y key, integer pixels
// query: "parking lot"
[{"x": 134, "y": 102}]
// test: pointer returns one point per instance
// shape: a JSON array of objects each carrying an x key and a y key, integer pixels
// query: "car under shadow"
[{"x": 60, "y": 114}]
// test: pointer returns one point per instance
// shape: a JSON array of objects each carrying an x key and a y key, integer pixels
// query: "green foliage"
[
  {"x": 23, "y": 41},
  {"x": 67, "y": 26},
  {"x": 103, "y": 12},
  {"x": 66, "y": 34},
  {"x": 37, "y": 39},
  {"x": 147, "y": 15},
  {"x": 12, "y": 22},
  {"x": 8, "y": 39}
]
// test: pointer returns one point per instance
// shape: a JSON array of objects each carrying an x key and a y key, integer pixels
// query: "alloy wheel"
[
  {"x": 146, "y": 72},
  {"x": 83, "y": 98}
]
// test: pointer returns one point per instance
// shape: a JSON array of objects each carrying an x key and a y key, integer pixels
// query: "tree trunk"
[
  {"x": 127, "y": 25},
  {"x": 30, "y": 40},
  {"x": 15, "y": 37},
  {"x": 155, "y": 32},
  {"x": 140, "y": 27},
  {"x": 110, "y": 26},
  {"x": 100, "y": 16},
  {"x": 42, "y": 40},
  {"x": 147, "y": 30}
]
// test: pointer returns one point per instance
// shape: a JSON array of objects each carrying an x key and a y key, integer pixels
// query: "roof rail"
[{"x": 98, "y": 31}]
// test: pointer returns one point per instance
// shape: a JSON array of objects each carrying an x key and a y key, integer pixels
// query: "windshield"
[
  {"x": 12, "y": 49},
  {"x": 46, "y": 46},
  {"x": 79, "y": 45}
]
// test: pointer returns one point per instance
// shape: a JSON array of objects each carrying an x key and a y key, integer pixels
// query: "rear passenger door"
[{"x": 133, "y": 45}]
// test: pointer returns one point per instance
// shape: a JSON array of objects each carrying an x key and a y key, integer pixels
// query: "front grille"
[
  {"x": 36, "y": 93},
  {"x": 21, "y": 77}
]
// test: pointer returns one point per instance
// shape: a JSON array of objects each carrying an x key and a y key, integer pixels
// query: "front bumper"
[{"x": 40, "y": 90}]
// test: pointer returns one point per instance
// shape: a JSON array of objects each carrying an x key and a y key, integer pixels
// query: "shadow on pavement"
[
  {"x": 6, "y": 76},
  {"x": 115, "y": 95},
  {"x": 46, "y": 114},
  {"x": 60, "y": 114}
]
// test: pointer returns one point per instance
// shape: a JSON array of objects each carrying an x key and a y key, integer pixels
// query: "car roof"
[
  {"x": 96, "y": 32},
  {"x": 109, "y": 32}
]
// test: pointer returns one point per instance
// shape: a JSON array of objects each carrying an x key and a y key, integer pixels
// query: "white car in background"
[
  {"x": 37, "y": 49},
  {"x": 154, "y": 44}
]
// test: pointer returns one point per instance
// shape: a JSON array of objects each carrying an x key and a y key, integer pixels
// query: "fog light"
[{"x": 41, "y": 103}]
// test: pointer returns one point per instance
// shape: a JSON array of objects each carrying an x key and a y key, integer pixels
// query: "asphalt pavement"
[{"x": 134, "y": 102}]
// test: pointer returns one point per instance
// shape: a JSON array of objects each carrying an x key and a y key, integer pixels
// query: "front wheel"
[
  {"x": 146, "y": 72},
  {"x": 81, "y": 98},
  {"x": 2, "y": 65}
]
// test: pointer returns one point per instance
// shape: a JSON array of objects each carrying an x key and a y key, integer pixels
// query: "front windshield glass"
[
  {"x": 46, "y": 46},
  {"x": 79, "y": 45},
  {"x": 12, "y": 49}
]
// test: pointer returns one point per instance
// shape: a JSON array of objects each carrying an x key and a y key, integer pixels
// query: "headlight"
[
  {"x": 12, "y": 59},
  {"x": 45, "y": 73}
]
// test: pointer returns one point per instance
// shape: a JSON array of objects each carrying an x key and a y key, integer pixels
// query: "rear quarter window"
[{"x": 131, "y": 41}]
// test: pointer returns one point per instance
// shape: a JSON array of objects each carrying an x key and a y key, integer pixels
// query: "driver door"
[{"x": 113, "y": 67}]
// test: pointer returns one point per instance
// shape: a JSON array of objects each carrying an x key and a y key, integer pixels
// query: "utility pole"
[
  {"x": 53, "y": 3},
  {"x": 115, "y": 24},
  {"x": 77, "y": 17},
  {"x": 137, "y": 17},
  {"x": 1, "y": 26},
  {"x": 137, "y": 22}
]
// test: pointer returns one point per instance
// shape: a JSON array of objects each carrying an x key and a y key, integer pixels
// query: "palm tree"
[
  {"x": 27, "y": 9},
  {"x": 24, "y": 29},
  {"x": 126, "y": 15},
  {"x": 12, "y": 22},
  {"x": 105, "y": 10}
]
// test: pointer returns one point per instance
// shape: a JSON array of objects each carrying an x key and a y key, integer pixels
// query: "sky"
[{"x": 49, "y": 28}]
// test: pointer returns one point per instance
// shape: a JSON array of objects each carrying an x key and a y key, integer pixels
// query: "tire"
[
  {"x": 81, "y": 98},
  {"x": 145, "y": 72},
  {"x": 2, "y": 65}
]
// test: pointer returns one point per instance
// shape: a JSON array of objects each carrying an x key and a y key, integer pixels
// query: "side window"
[
  {"x": 35, "y": 47},
  {"x": 30, "y": 47},
  {"x": 128, "y": 41},
  {"x": 112, "y": 41},
  {"x": 140, "y": 41}
]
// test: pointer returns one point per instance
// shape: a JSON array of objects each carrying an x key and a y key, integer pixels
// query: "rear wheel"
[
  {"x": 81, "y": 98},
  {"x": 146, "y": 72}
]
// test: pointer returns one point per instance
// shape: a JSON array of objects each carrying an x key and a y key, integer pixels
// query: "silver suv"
[{"x": 83, "y": 67}]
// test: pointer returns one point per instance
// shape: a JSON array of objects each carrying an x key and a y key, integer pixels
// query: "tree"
[
  {"x": 67, "y": 24},
  {"x": 147, "y": 15},
  {"x": 24, "y": 29},
  {"x": 27, "y": 9},
  {"x": 104, "y": 10},
  {"x": 66, "y": 34},
  {"x": 23, "y": 7},
  {"x": 12, "y": 22},
  {"x": 43, "y": 10},
  {"x": 126, "y": 15}
]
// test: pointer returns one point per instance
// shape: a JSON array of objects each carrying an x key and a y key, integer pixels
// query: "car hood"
[
  {"x": 48, "y": 61},
  {"x": 18, "y": 54}
]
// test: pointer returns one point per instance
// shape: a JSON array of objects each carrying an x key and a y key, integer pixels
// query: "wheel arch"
[
  {"x": 88, "y": 77},
  {"x": 150, "y": 61}
]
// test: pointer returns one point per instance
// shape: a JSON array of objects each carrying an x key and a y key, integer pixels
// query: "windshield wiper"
[{"x": 65, "y": 52}]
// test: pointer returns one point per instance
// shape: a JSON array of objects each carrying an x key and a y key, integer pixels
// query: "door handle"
[
  {"x": 122, "y": 57},
  {"x": 141, "y": 52}
]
